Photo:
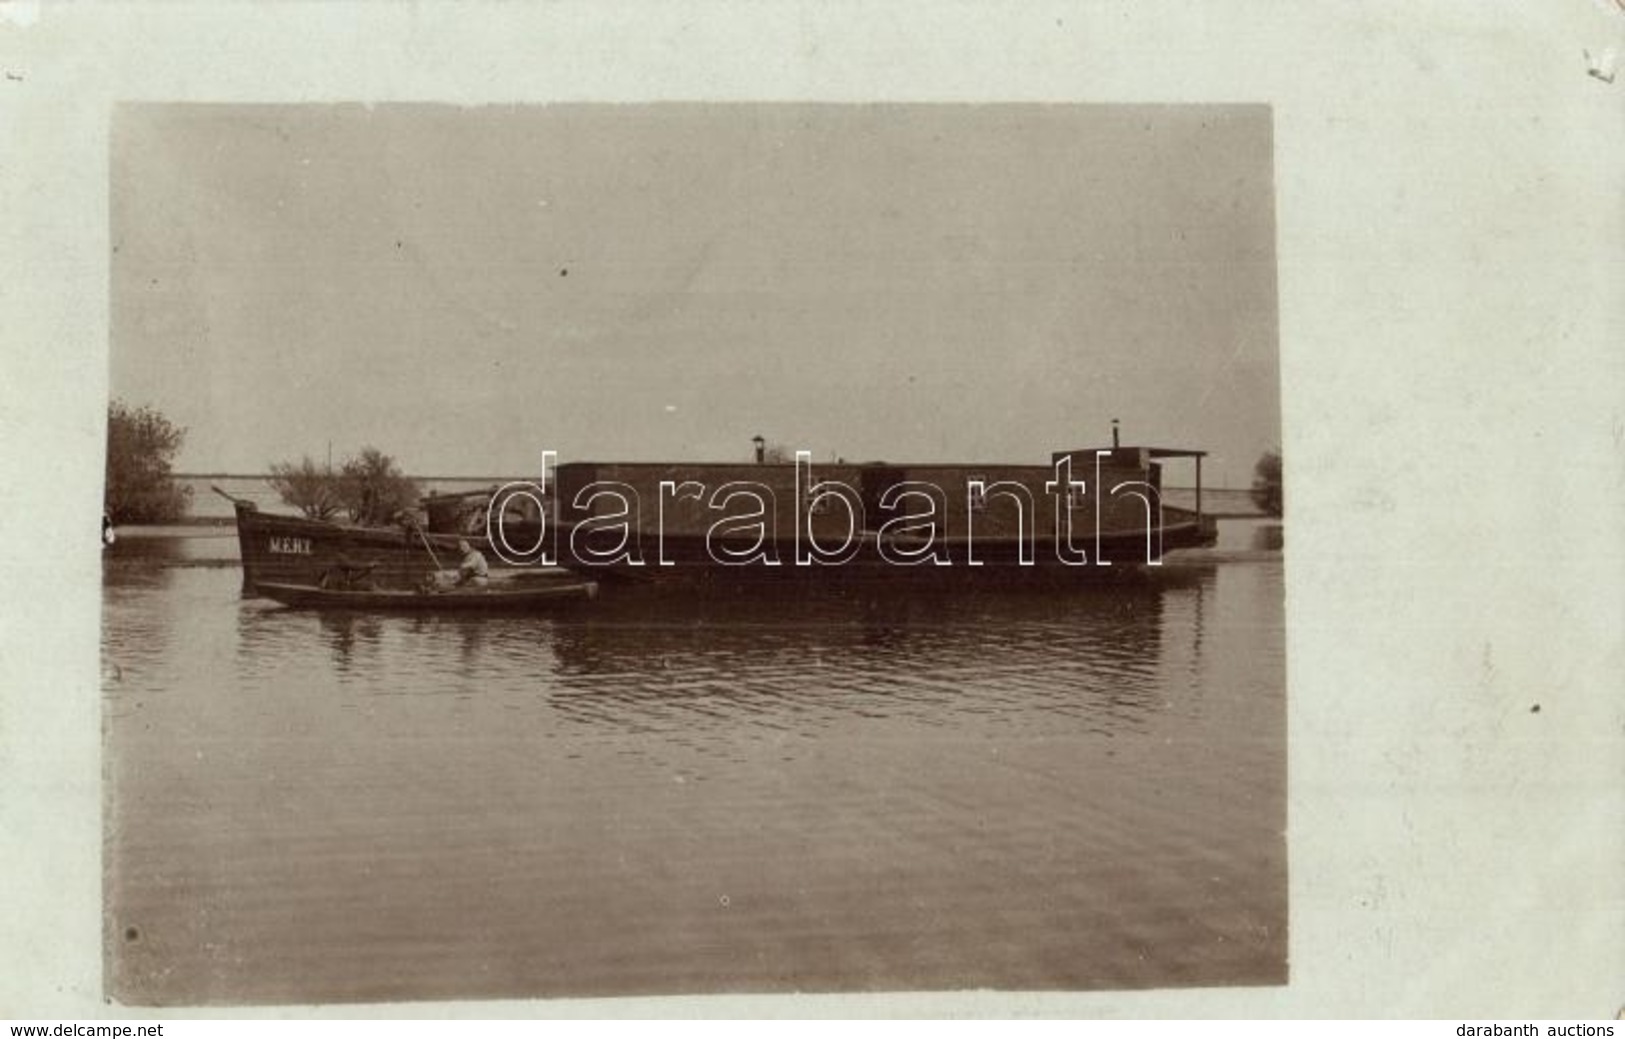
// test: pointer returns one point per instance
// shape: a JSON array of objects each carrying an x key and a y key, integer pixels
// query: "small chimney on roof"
[
  {"x": 760, "y": 443},
  {"x": 1115, "y": 442}
]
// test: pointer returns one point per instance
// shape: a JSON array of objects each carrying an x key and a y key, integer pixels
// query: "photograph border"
[{"x": 1450, "y": 305}]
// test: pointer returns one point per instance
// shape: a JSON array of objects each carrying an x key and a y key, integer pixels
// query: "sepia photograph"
[
  {"x": 597, "y": 550},
  {"x": 728, "y": 511}
]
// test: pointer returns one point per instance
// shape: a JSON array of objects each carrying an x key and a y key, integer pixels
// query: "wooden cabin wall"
[{"x": 999, "y": 519}]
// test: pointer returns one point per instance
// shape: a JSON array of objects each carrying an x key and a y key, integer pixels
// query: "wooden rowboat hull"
[{"x": 529, "y": 596}]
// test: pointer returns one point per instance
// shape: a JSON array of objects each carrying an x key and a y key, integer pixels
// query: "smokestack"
[{"x": 1114, "y": 435}]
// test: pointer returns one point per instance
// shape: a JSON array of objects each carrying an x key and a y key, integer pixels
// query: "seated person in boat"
[{"x": 471, "y": 570}]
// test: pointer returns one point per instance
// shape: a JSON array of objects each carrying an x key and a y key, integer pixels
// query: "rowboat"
[{"x": 519, "y": 597}]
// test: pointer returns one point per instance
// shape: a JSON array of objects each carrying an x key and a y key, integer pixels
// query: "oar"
[{"x": 425, "y": 539}]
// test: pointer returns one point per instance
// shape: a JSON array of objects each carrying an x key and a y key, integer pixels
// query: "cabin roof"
[{"x": 1151, "y": 452}]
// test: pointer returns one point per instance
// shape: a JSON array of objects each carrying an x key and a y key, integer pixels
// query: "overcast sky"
[{"x": 466, "y": 287}]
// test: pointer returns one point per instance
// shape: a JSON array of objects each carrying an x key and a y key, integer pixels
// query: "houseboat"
[{"x": 1087, "y": 512}]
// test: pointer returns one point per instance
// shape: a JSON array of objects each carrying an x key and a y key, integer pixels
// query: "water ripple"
[{"x": 1067, "y": 788}]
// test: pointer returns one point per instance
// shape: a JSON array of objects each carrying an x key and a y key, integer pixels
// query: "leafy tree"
[
  {"x": 312, "y": 489},
  {"x": 141, "y": 447},
  {"x": 375, "y": 490},
  {"x": 1266, "y": 490},
  {"x": 368, "y": 488}
]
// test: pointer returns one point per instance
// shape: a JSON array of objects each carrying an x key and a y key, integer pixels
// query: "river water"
[{"x": 656, "y": 793}]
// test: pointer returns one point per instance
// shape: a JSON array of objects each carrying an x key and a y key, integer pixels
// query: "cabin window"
[{"x": 977, "y": 487}]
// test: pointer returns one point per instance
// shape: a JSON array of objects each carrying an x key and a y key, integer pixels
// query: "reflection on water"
[
  {"x": 653, "y": 667},
  {"x": 1267, "y": 537},
  {"x": 674, "y": 793},
  {"x": 204, "y": 546}
]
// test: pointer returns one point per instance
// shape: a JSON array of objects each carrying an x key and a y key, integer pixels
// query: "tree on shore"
[
  {"x": 375, "y": 490},
  {"x": 141, "y": 448},
  {"x": 308, "y": 487},
  {"x": 1266, "y": 490},
  {"x": 368, "y": 488}
]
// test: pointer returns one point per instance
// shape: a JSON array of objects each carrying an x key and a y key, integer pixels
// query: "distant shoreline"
[
  {"x": 188, "y": 527},
  {"x": 1206, "y": 487},
  {"x": 220, "y": 527},
  {"x": 421, "y": 479}
]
